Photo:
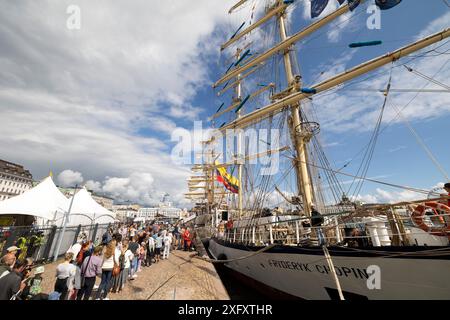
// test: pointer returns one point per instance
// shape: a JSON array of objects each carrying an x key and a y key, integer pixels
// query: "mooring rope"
[{"x": 236, "y": 259}]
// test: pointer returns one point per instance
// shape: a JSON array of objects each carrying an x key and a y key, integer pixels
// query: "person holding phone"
[{"x": 13, "y": 283}]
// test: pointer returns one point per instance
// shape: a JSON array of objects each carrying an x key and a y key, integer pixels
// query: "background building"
[
  {"x": 148, "y": 213},
  {"x": 124, "y": 211},
  {"x": 14, "y": 180},
  {"x": 103, "y": 200},
  {"x": 164, "y": 211}
]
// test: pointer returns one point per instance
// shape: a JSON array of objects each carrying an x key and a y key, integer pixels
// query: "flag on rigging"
[
  {"x": 317, "y": 7},
  {"x": 387, "y": 4},
  {"x": 230, "y": 182},
  {"x": 352, "y": 4}
]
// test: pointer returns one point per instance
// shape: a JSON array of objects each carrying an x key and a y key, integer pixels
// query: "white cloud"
[
  {"x": 389, "y": 196},
  {"x": 105, "y": 98},
  {"x": 69, "y": 178},
  {"x": 94, "y": 186},
  {"x": 436, "y": 25},
  {"x": 139, "y": 187}
]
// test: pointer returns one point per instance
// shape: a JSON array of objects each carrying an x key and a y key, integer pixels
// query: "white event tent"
[
  {"x": 46, "y": 202},
  {"x": 85, "y": 210}
]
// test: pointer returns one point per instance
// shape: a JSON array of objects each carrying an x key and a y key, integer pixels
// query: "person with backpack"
[
  {"x": 90, "y": 269},
  {"x": 118, "y": 279},
  {"x": 134, "y": 248}
]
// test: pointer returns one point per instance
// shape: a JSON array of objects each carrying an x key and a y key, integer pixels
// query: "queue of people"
[{"x": 122, "y": 254}]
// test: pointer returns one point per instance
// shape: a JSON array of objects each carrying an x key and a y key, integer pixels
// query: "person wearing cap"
[
  {"x": 11, "y": 254},
  {"x": 12, "y": 251},
  {"x": 33, "y": 289},
  {"x": 6, "y": 264}
]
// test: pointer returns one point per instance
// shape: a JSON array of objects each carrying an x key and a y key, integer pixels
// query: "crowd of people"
[{"x": 123, "y": 252}]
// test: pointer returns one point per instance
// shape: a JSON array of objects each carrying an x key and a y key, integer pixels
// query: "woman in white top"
[
  {"x": 124, "y": 261},
  {"x": 65, "y": 272},
  {"x": 167, "y": 240},
  {"x": 110, "y": 257}
]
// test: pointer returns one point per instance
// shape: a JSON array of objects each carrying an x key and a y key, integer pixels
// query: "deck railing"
[{"x": 392, "y": 226}]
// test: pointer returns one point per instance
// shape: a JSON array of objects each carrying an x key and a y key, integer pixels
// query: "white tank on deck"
[{"x": 378, "y": 231}]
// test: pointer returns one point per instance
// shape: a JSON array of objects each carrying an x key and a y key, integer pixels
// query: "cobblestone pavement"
[{"x": 181, "y": 277}]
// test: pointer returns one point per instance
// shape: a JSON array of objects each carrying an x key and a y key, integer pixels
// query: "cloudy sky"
[{"x": 98, "y": 105}]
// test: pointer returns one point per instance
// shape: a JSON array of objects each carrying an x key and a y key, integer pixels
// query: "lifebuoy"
[{"x": 419, "y": 213}]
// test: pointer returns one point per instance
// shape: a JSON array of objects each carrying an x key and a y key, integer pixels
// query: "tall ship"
[{"x": 273, "y": 206}]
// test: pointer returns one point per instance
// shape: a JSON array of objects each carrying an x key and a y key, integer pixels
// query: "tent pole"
[{"x": 66, "y": 218}]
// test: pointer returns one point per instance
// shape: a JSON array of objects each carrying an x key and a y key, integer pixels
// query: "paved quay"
[{"x": 181, "y": 277}]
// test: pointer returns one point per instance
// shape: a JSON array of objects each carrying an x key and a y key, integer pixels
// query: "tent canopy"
[
  {"x": 85, "y": 210},
  {"x": 47, "y": 202},
  {"x": 43, "y": 201}
]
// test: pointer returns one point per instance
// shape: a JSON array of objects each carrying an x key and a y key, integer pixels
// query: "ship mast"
[
  {"x": 304, "y": 183},
  {"x": 239, "y": 141},
  {"x": 293, "y": 95}
]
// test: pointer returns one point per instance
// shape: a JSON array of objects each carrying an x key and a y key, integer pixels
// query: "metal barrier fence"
[{"x": 40, "y": 243}]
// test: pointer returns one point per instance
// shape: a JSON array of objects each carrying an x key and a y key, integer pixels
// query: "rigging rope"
[
  {"x": 367, "y": 179},
  {"x": 430, "y": 79},
  {"x": 368, "y": 155},
  {"x": 423, "y": 145},
  {"x": 394, "y": 118}
]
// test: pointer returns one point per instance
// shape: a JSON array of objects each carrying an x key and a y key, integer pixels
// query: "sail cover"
[
  {"x": 43, "y": 201},
  {"x": 317, "y": 7},
  {"x": 352, "y": 4}
]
